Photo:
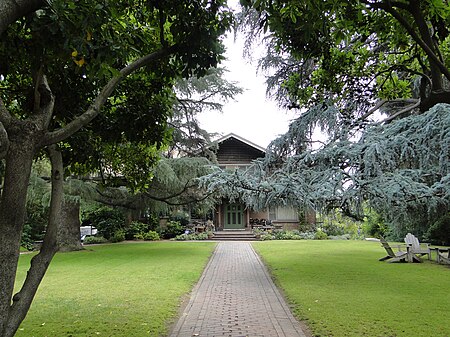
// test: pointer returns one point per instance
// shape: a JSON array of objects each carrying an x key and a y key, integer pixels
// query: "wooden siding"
[{"x": 234, "y": 151}]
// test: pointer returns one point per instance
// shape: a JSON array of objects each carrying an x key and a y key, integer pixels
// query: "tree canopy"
[
  {"x": 373, "y": 77},
  {"x": 65, "y": 63}
]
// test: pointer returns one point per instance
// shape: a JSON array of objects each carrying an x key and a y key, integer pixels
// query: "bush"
[
  {"x": 266, "y": 236},
  {"x": 439, "y": 232},
  {"x": 320, "y": 235},
  {"x": 181, "y": 217},
  {"x": 339, "y": 237},
  {"x": 107, "y": 220},
  {"x": 89, "y": 240},
  {"x": 151, "y": 236},
  {"x": 136, "y": 228},
  {"x": 374, "y": 224},
  {"x": 182, "y": 237},
  {"x": 193, "y": 236},
  {"x": 333, "y": 229},
  {"x": 172, "y": 230},
  {"x": 139, "y": 236},
  {"x": 306, "y": 235},
  {"x": 27, "y": 242},
  {"x": 118, "y": 236},
  {"x": 286, "y": 235}
]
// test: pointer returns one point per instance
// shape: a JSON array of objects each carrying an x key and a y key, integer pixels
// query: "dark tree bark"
[
  {"x": 39, "y": 263},
  {"x": 12, "y": 209},
  {"x": 11, "y": 10},
  {"x": 24, "y": 139},
  {"x": 69, "y": 229}
]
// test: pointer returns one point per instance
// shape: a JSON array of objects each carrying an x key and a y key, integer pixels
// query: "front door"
[{"x": 234, "y": 216}]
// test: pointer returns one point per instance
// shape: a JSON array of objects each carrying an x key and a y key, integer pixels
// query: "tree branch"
[
  {"x": 426, "y": 48},
  {"x": 193, "y": 200},
  {"x": 401, "y": 112},
  {"x": 5, "y": 116},
  {"x": 12, "y": 10},
  {"x": 44, "y": 101},
  {"x": 4, "y": 141},
  {"x": 94, "y": 109},
  {"x": 111, "y": 201}
]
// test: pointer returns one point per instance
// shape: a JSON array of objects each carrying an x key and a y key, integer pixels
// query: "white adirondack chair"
[
  {"x": 417, "y": 248},
  {"x": 400, "y": 256}
]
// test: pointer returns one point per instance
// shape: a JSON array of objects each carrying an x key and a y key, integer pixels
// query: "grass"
[
  {"x": 341, "y": 289},
  {"x": 114, "y": 290}
]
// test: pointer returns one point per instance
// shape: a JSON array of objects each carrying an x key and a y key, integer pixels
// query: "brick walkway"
[{"x": 236, "y": 297}]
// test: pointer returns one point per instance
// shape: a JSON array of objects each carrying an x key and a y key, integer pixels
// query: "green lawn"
[
  {"x": 114, "y": 290},
  {"x": 341, "y": 289}
]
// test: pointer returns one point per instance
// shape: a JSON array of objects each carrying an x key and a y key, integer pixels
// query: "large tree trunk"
[
  {"x": 22, "y": 137},
  {"x": 21, "y": 301},
  {"x": 12, "y": 10},
  {"x": 12, "y": 212},
  {"x": 69, "y": 229}
]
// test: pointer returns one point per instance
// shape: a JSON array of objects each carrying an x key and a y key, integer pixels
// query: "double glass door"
[{"x": 234, "y": 216}]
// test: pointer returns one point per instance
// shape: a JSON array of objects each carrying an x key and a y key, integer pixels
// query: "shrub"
[
  {"x": 89, "y": 240},
  {"x": 172, "y": 230},
  {"x": 333, "y": 229},
  {"x": 374, "y": 224},
  {"x": 136, "y": 228},
  {"x": 266, "y": 236},
  {"x": 118, "y": 236},
  {"x": 286, "y": 235},
  {"x": 439, "y": 232},
  {"x": 182, "y": 237},
  {"x": 201, "y": 236},
  {"x": 193, "y": 236},
  {"x": 151, "y": 236},
  {"x": 27, "y": 242},
  {"x": 339, "y": 237},
  {"x": 153, "y": 222},
  {"x": 181, "y": 217},
  {"x": 139, "y": 236},
  {"x": 107, "y": 220},
  {"x": 320, "y": 235},
  {"x": 307, "y": 235}
]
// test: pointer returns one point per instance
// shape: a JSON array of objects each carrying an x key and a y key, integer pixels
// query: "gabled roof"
[{"x": 249, "y": 143}]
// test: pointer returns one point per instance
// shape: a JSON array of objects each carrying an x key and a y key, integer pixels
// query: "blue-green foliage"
[{"x": 401, "y": 169}]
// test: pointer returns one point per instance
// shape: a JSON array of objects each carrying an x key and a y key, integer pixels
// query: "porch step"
[{"x": 234, "y": 236}]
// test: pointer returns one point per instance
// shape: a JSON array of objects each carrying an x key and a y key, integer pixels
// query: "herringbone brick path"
[{"x": 236, "y": 297}]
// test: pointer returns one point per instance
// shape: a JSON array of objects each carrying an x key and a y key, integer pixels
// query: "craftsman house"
[{"x": 234, "y": 152}]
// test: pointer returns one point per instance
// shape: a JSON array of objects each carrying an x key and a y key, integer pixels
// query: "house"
[{"x": 235, "y": 152}]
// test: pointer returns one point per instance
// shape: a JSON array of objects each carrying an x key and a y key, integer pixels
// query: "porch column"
[
  {"x": 247, "y": 212},
  {"x": 219, "y": 216}
]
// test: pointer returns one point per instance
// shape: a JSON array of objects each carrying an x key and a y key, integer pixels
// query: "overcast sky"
[{"x": 251, "y": 115}]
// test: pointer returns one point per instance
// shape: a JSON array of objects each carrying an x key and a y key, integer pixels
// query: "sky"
[{"x": 252, "y": 115}]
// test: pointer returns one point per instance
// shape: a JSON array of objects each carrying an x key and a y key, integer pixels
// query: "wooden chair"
[
  {"x": 400, "y": 256},
  {"x": 416, "y": 248},
  {"x": 441, "y": 258}
]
